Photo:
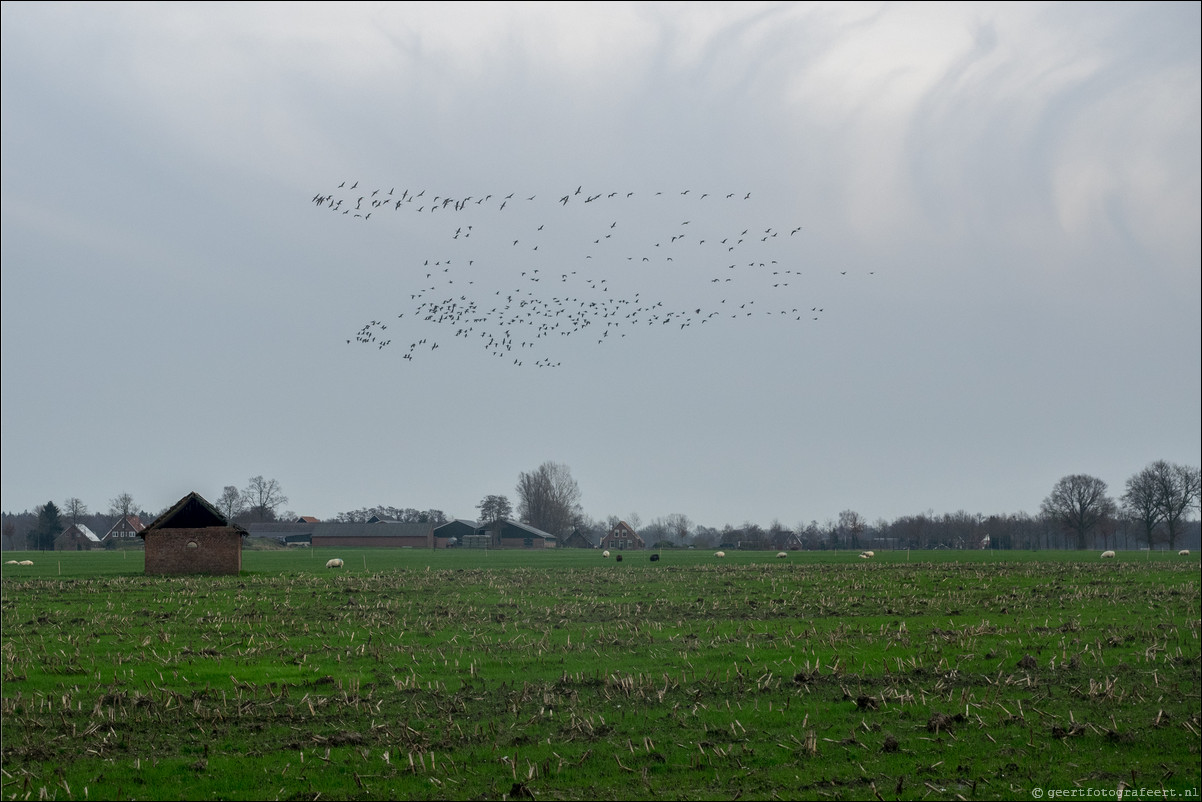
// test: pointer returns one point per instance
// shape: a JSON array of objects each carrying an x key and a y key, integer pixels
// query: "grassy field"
[{"x": 415, "y": 674}]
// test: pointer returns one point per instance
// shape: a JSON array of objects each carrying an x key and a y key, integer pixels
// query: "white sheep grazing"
[
  {"x": 25, "y": 562},
  {"x": 719, "y": 554},
  {"x": 780, "y": 555},
  {"x": 334, "y": 563},
  {"x": 12, "y": 562},
  {"x": 1183, "y": 553},
  {"x": 605, "y": 553},
  {"x": 868, "y": 554},
  {"x": 1108, "y": 555}
]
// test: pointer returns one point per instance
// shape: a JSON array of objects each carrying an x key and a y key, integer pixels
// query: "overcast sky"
[{"x": 744, "y": 262}]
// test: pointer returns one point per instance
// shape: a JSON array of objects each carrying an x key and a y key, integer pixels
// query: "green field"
[{"x": 415, "y": 674}]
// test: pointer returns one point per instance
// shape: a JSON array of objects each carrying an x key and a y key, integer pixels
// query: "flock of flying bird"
[{"x": 521, "y": 273}]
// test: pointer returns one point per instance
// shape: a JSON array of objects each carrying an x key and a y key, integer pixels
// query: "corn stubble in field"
[{"x": 682, "y": 679}]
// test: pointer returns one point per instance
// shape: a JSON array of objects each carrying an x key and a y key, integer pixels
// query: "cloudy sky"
[{"x": 745, "y": 262}]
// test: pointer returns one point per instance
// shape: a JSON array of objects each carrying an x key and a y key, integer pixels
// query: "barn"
[
  {"x": 381, "y": 535},
  {"x": 504, "y": 533},
  {"x": 454, "y": 532},
  {"x": 193, "y": 537}
]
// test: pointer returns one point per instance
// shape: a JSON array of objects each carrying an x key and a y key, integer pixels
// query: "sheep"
[
  {"x": 867, "y": 555},
  {"x": 12, "y": 562},
  {"x": 25, "y": 562},
  {"x": 1183, "y": 553},
  {"x": 1108, "y": 555},
  {"x": 605, "y": 553},
  {"x": 719, "y": 554},
  {"x": 334, "y": 563},
  {"x": 780, "y": 555},
  {"x": 654, "y": 558}
]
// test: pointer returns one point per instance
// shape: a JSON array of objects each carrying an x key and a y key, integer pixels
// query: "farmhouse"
[
  {"x": 125, "y": 531},
  {"x": 623, "y": 538},
  {"x": 76, "y": 537},
  {"x": 193, "y": 538}
]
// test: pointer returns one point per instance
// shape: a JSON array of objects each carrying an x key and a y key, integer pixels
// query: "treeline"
[
  {"x": 928, "y": 530},
  {"x": 1154, "y": 511},
  {"x": 405, "y": 515}
]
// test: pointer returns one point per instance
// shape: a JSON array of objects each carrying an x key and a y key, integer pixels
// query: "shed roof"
[{"x": 190, "y": 512}]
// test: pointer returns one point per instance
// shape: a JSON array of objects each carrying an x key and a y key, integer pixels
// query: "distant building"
[
  {"x": 125, "y": 531},
  {"x": 504, "y": 533},
  {"x": 76, "y": 537},
  {"x": 381, "y": 535},
  {"x": 452, "y": 533},
  {"x": 193, "y": 537},
  {"x": 623, "y": 538},
  {"x": 578, "y": 540}
]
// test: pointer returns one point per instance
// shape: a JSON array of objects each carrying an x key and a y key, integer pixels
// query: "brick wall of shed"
[{"x": 218, "y": 551}]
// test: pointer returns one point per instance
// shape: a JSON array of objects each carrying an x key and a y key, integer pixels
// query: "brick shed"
[{"x": 193, "y": 538}]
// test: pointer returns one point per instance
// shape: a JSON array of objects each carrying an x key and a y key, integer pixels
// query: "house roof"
[
  {"x": 534, "y": 532},
  {"x": 190, "y": 512},
  {"x": 135, "y": 524},
  {"x": 623, "y": 529},
  {"x": 307, "y": 519},
  {"x": 577, "y": 535},
  {"x": 82, "y": 530},
  {"x": 461, "y": 522}
]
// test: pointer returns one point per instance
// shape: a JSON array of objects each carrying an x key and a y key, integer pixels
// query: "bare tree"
[
  {"x": 122, "y": 505},
  {"x": 656, "y": 534},
  {"x": 232, "y": 502},
  {"x": 1141, "y": 502},
  {"x": 678, "y": 525},
  {"x": 706, "y": 537},
  {"x": 262, "y": 497},
  {"x": 494, "y": 508},
  {"x": 1079, "y": 504},
  {"x": 851, "y": 526},
  {"x": 1177, "y": 493},
  {"x": 549, "y": 498},
  {"x": 74, "y": 509}
]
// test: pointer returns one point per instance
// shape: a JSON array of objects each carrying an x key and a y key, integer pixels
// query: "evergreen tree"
[{"x": 48, "y": 527}]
